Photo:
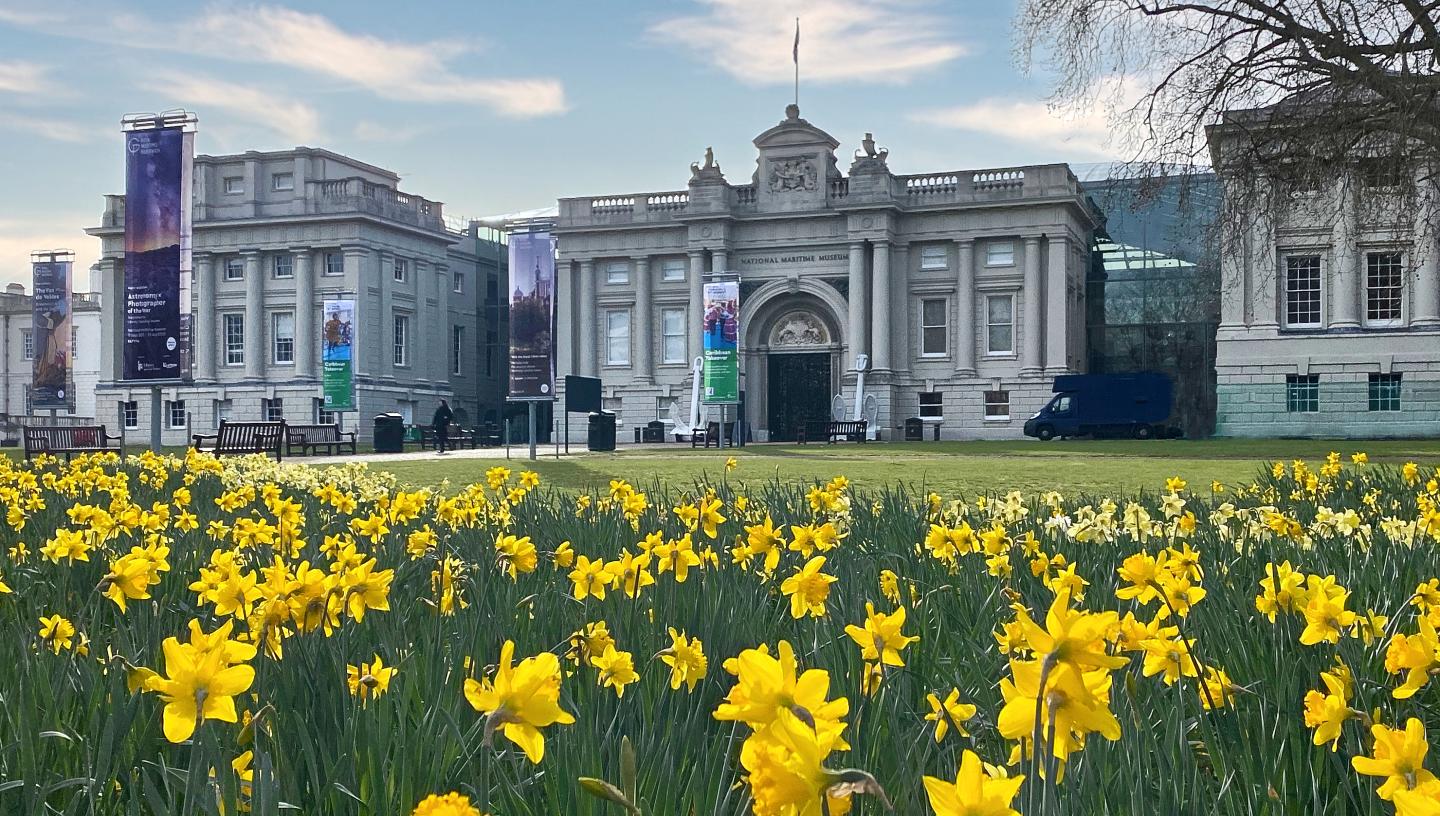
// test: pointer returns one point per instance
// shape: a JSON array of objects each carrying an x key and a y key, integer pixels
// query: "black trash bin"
[
  {"x": 914, "y": 429},
  {"x": 389, "y": 433},
  {"x": 602, "y": 432}
]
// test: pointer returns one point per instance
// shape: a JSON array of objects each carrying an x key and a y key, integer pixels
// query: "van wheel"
[
  {"x": 1144, "y": 432},
  {"x": 1045, "y": 433}
]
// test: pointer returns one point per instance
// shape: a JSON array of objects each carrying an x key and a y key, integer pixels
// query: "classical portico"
[{"x": 962, "y": 288}]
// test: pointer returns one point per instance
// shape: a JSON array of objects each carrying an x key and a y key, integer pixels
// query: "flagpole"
[{"x": 797, "y": 62}]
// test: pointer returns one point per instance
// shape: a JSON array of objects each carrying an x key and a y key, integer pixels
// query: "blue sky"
[{"x": 495, "y": 106}]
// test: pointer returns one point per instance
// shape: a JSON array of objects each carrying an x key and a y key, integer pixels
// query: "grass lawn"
[{"x": 1092, "y": 466}]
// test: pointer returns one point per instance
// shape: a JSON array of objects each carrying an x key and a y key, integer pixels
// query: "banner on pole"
[
  {"x": 157, "y": 254},
  {"x": 337, "y": 356},
  {"x": 722, "y": 343},
  {"x": 532, "y": 316},
  {"x": 50, "y": 334}
]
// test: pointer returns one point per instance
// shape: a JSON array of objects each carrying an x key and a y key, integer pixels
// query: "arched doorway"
[{"x": 799, "y": 375}]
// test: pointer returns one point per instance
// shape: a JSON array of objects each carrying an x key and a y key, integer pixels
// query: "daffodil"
[
  {"x": 616, "y": 669},
  {"x": 975, "y": 792},
  {"x": 881, "y": 640},
  {"x": 948, "y": 714},
  {"x": 58, "y": 632},
  {"x": 686, "y": 659},
  {"x": 808, "y": 588},
  {"x": 521, "y": 699},
  {"x": 446, "y": 804},
  {"x": 202, "y": 678},
  {"x": 1398, "y": 756},
  {"x": 369, "y": 680}
]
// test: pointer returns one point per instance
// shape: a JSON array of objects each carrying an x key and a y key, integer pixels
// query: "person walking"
[{"x": 441, "y": 423}]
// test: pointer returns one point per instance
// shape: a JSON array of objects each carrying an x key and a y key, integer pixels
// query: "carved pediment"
[{"x": 799, "y": 329}]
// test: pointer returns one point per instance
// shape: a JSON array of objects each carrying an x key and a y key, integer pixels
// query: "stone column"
[
  {"x": 965, "y": 334},
  {"x": 902, "y": 349},
  {"x": 857, "y": 304},
  {"x": 204, "y": 340},
  {"x": 439, "y": 322},
  {"x": 1031, "y": 325},
  {"x": 644, "y": 324},
  {"x": 587, "y": 308},
  {"x": 1057, "y": 313},
  {"x": 564, "y": 319},
  {"x": 385, "y": 326},
  {"x": 307, "y": 338},
  {"x": 255, "y": 330},
  {"x": 697, "y": 304},
  {"x": 367, "y": 322},
  {"x": 1266, "y": 279},
  {"x": 720, "y": 260},
  {"x": 1345, "y": 279},
  {"x": 880, "y": 308},
  {"x": 112, "y": 323},
  {"x": 1426, "y": 288}
]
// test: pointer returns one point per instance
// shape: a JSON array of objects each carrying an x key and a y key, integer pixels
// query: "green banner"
[
  {"x": 721, "y": 325},
  {"x": 337, "y": 358}
]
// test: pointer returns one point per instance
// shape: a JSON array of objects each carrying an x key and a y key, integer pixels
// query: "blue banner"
[
  {"x": 157, "y": 249},
  {"x": 50, "y": 334},
  {"x": 532, "y": 316}
]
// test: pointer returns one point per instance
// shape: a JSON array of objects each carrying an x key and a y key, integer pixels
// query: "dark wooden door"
[{"x": 798, "y": 392}]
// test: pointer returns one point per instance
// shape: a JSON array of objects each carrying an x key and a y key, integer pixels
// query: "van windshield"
[{"x": 1060, "y": 405}]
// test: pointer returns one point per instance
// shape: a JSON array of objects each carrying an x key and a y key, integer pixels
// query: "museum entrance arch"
[{"x": 793, "y": 352}]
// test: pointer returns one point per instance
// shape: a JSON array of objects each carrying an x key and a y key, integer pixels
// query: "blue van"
[{"x": 1135, "y": 405}]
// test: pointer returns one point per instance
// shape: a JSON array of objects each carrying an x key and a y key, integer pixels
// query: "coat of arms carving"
[{"x": 787, "y": 175}]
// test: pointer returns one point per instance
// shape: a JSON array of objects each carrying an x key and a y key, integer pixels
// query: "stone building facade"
[
  {"x": 1330, "y": 304},
  {"x": 276, "y": 235},
  {"x": 17, "y": 351},
  {"x": 963, "y": 288}
]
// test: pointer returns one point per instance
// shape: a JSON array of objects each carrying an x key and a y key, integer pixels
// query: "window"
[
  {"x": 1384, "y": 288},
  {"x": 402, "y": 336},
  {"x": 933, "y": 342},
  {"x": 175, "y": 414},
  {"x": 283, "y": 266},
  {"x": 282, "y": 328},
  {"x": 402, "y": 270},
  {"x": 997, "y": 405},
  {"x": 1302, "y": 290},
  {"x": 617, "y": 337},
  {"x": 130, "y": 413},
  {"x": 617, "y": 273},
  {"x": 1381, "y": 173},
  {"x": 1000, "y": 253},
  {"x": 223, "y": 411},
  {"x": 322, "y": 416},
  {"x": 932, "y": 404},
  {"x": 234, "y": 325},
  {"x": 490, "y": 343},
  {"x": 234, "y": 269},
  {"x": 457, "y": 349},
  {"x": 672, "y": 335},
  {"x": 1302, "y": 393},
  {"x": 274, "y": 409},
  {"x": 672, "y": 270},
  {"x": 334, "y": 264},
  {"x": 234, "y": 185},
  {"x": 1000, "y": 324},
  {"x": 282, "y": 181},
  {"x": 459, "y": 286},
  {"x": 1384, "y": 392},
  {"x": 934, "y": 257},
  {"x": 27, "y": 339}
]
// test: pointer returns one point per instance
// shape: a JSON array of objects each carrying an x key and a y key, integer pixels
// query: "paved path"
[{"x": 516, "y": 452}]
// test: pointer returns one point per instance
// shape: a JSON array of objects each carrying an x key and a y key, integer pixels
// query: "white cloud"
[
  {"x": 395, "y": 70},
  {"x": 55, "y": 130},
  {"x": 368, "y": 131},
  {"x": 1086, "y": 131},
  {"x": 293, "y": 120},
  {"x": 880, "y": 41},
  {"x": 20, "y": 77},
  {"x": 20, "y": 237}
]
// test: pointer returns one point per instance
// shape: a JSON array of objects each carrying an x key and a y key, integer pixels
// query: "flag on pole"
[{"x": 796, "y": 51}]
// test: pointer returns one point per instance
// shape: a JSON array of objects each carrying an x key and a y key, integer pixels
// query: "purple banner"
[
  {"x": 157, "y": 254},
  {"x": 532, "y": 316},
  {"x": 50, "y": 334}
]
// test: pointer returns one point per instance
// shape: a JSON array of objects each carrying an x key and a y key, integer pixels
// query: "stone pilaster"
[
  {"x": 697, "y": 303},
  {"x": 1057, "y": 313},
  {"x": 965, "y": 326},
  {"x": 587, "y": 309},
  {"x": 1034, "y": 307},
  {"x": 856, "y": 317},
  {"x": 255, "y": 330},
  {"x": 644, "y": 322},
  {"x": 880, "y": 307},
  {"x": 1345, "y": 280},
  {"x": 307, "y": 339},
  {"x": 204, "y": 341}
]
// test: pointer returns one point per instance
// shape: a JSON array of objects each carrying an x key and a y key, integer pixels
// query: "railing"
[
  {"x": 919, "y": 186},
  {"x": 999, "y": 179},
  {"x": 839, "y": 188},
  {"x": 608, "y": 206},
  {"x": 85, "y": 299},
  {"x": 663, "y": 202},
  {"x": 339, "y": 195},
  {"x": 745, "y": 194}
]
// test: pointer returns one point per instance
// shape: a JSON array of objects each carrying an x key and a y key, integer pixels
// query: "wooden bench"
[
  {"x": 835, "y": 430},
  {"x": 68, "y": 440},
  {"x": 244, "y": 437},
  {"x": 312, "y": 439},
  {"x": 458, "y": 437}
]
